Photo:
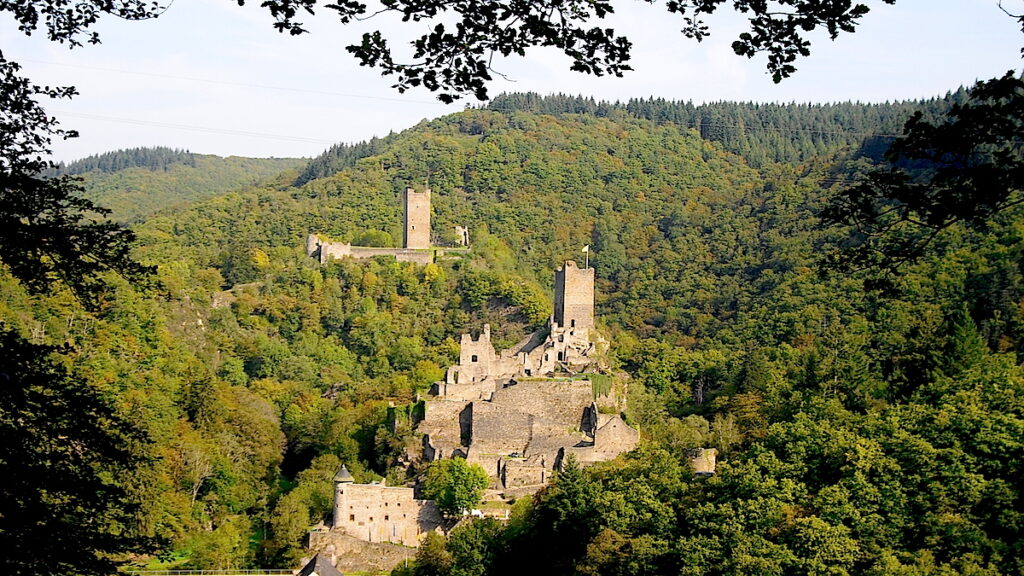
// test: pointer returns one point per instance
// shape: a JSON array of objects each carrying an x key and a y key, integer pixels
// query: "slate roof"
[
  {"x": 319, "y": 565},
  {"x": 343, "y": 475}
]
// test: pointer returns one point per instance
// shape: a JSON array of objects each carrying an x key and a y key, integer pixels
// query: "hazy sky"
[{"x": 216, "y": 78}]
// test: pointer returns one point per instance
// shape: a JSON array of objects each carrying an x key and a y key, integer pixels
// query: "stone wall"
[
  {"x": 400, "y": 254},
  {"x": 574, "y": 296},
  {"x": 476, "y": 357},
  {"x": 325, "y": 251},
  {"x": 379, "y": 513},
  {"x": 334, "y": 250},
  {"x": 562, "y": 402},
  {"x": 517, "y": 473},
  {"x": 350, "y": 554},
  {"x": 704, "y": 461},
  {"x": 417, "y": 218},
  {"x": 499, "y": 430},
  {"x": 441, "y": 428}
]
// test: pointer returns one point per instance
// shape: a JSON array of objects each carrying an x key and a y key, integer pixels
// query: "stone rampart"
[
  {"x": 350, "y": 554},
  {"x": 562, "y": 402}
]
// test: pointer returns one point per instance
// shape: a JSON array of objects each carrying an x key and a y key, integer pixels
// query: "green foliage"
[
  {"x": 964, "y": 168},
  {"x": 50, "y": 235},
  {"x": 135, "y": 184},
  {"x": 66, "y": 459},
  {"x": 154, "y": 159},
  {"x": 432, "y": 559},
  {"x": 455, "y": 485},
  {"x": 762, "y": 133},
  {"x": 856, "y": 433}
]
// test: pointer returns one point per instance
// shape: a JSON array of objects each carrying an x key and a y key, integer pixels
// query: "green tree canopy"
[{"x": 455, "y": 485}]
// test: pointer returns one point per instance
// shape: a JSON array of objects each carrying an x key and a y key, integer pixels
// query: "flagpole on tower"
[{"x": 586, "y": 250}]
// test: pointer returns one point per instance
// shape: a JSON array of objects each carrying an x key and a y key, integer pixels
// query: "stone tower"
[
  {"x": 342, "y": 481},
  {"x": 417, "y": 218},
  {"x": 574, "y": 296}
]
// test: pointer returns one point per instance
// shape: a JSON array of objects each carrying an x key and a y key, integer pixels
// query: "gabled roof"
[
  {"x": 343, "y": 475},
  {"x": 319, "y": 565}
]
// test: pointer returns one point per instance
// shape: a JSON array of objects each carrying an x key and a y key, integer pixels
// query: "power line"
[
  {"x": 230, "y": 83},
  {"x": 189, "y": 127}
]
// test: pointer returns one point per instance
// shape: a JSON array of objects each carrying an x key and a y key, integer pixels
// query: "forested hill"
[
  {"x": 141, "y": 181},
  {"x": 859, "y": 433},
  {"x": 759, "y": 132},
  {"x": 156, "y": 158}
]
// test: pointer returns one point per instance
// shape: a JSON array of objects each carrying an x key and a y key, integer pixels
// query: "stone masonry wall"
[
  {"x": 379, "y": 513},
  {"x": 417, "y": 218},
  {"x": 574, "y": 296},
  {"x": 351, "y": 554},
  {"x": 563, "y": 402},
  {"x": 476, "y": 357}
]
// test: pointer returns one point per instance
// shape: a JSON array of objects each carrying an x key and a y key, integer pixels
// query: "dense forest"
[
  {"x": 139, "y": 182},
  {"x": 860, "y": 432}
]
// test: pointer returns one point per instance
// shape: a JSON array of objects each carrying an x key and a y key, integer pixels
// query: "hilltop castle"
[
  {"x": 519, "y": 413},
  {"x": 417, "y": 245}
]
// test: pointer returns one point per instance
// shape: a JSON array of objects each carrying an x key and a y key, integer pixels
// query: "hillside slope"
[
  {"x": 133, "y": 190},
  {"x": 860, "y": 433}
]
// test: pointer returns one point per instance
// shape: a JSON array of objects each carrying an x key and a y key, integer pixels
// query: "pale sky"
[{"x": 215, "y": 78}]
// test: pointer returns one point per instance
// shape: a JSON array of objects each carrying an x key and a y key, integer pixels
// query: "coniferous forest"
[{"x": 862, "y": 427}]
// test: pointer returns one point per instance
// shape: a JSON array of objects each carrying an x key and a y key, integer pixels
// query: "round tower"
[{"x": 341, "y": 481}]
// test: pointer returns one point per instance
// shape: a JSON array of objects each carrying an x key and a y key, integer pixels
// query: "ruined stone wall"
[
  {"x": 351, "y": 554},
  {"x": 400, "y": 254},
  {"x": 313, "y": 245},
  {"x": 417, "y": 218},
  {"x": 379, "y": 513},
  {"x": 704, "y": 461},
  {"x": 517, "y": 473},
  {"x": 562, "y": 402},
  {"x": 616, "y": 437},
  {"x": 442, "y": 428},
  {"x": 476, "y": 357},
  {"x": 498, "y": 429},
  {"x": 574, "y": 296},
  {"x": 338, "y": 250},
  {"x": 458, "y": 391}
]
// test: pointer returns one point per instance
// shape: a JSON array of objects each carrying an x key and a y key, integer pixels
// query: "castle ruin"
[
  {"x": 521, "y": 411},
  {"x": 417, "y": 218},
  {"x": 417, "y": 244},
  {"x": 518, "y": 413}
]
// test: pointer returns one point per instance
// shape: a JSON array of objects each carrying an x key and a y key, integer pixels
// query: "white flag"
[{"x": 586, "y": 248}]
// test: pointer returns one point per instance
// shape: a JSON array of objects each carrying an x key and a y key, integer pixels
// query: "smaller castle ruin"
[{"x": 417, "y": 244}]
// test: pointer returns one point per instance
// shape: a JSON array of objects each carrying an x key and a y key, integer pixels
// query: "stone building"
[
  {"x": 380, "y": 513},
  {"x": 703, "y": 461},
  {"x": 574, "y": 297}
]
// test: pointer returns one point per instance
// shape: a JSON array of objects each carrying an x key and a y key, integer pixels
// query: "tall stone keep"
[
  {"x": 417, "y": 218},
  {"x": 574, "y": 296}
]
